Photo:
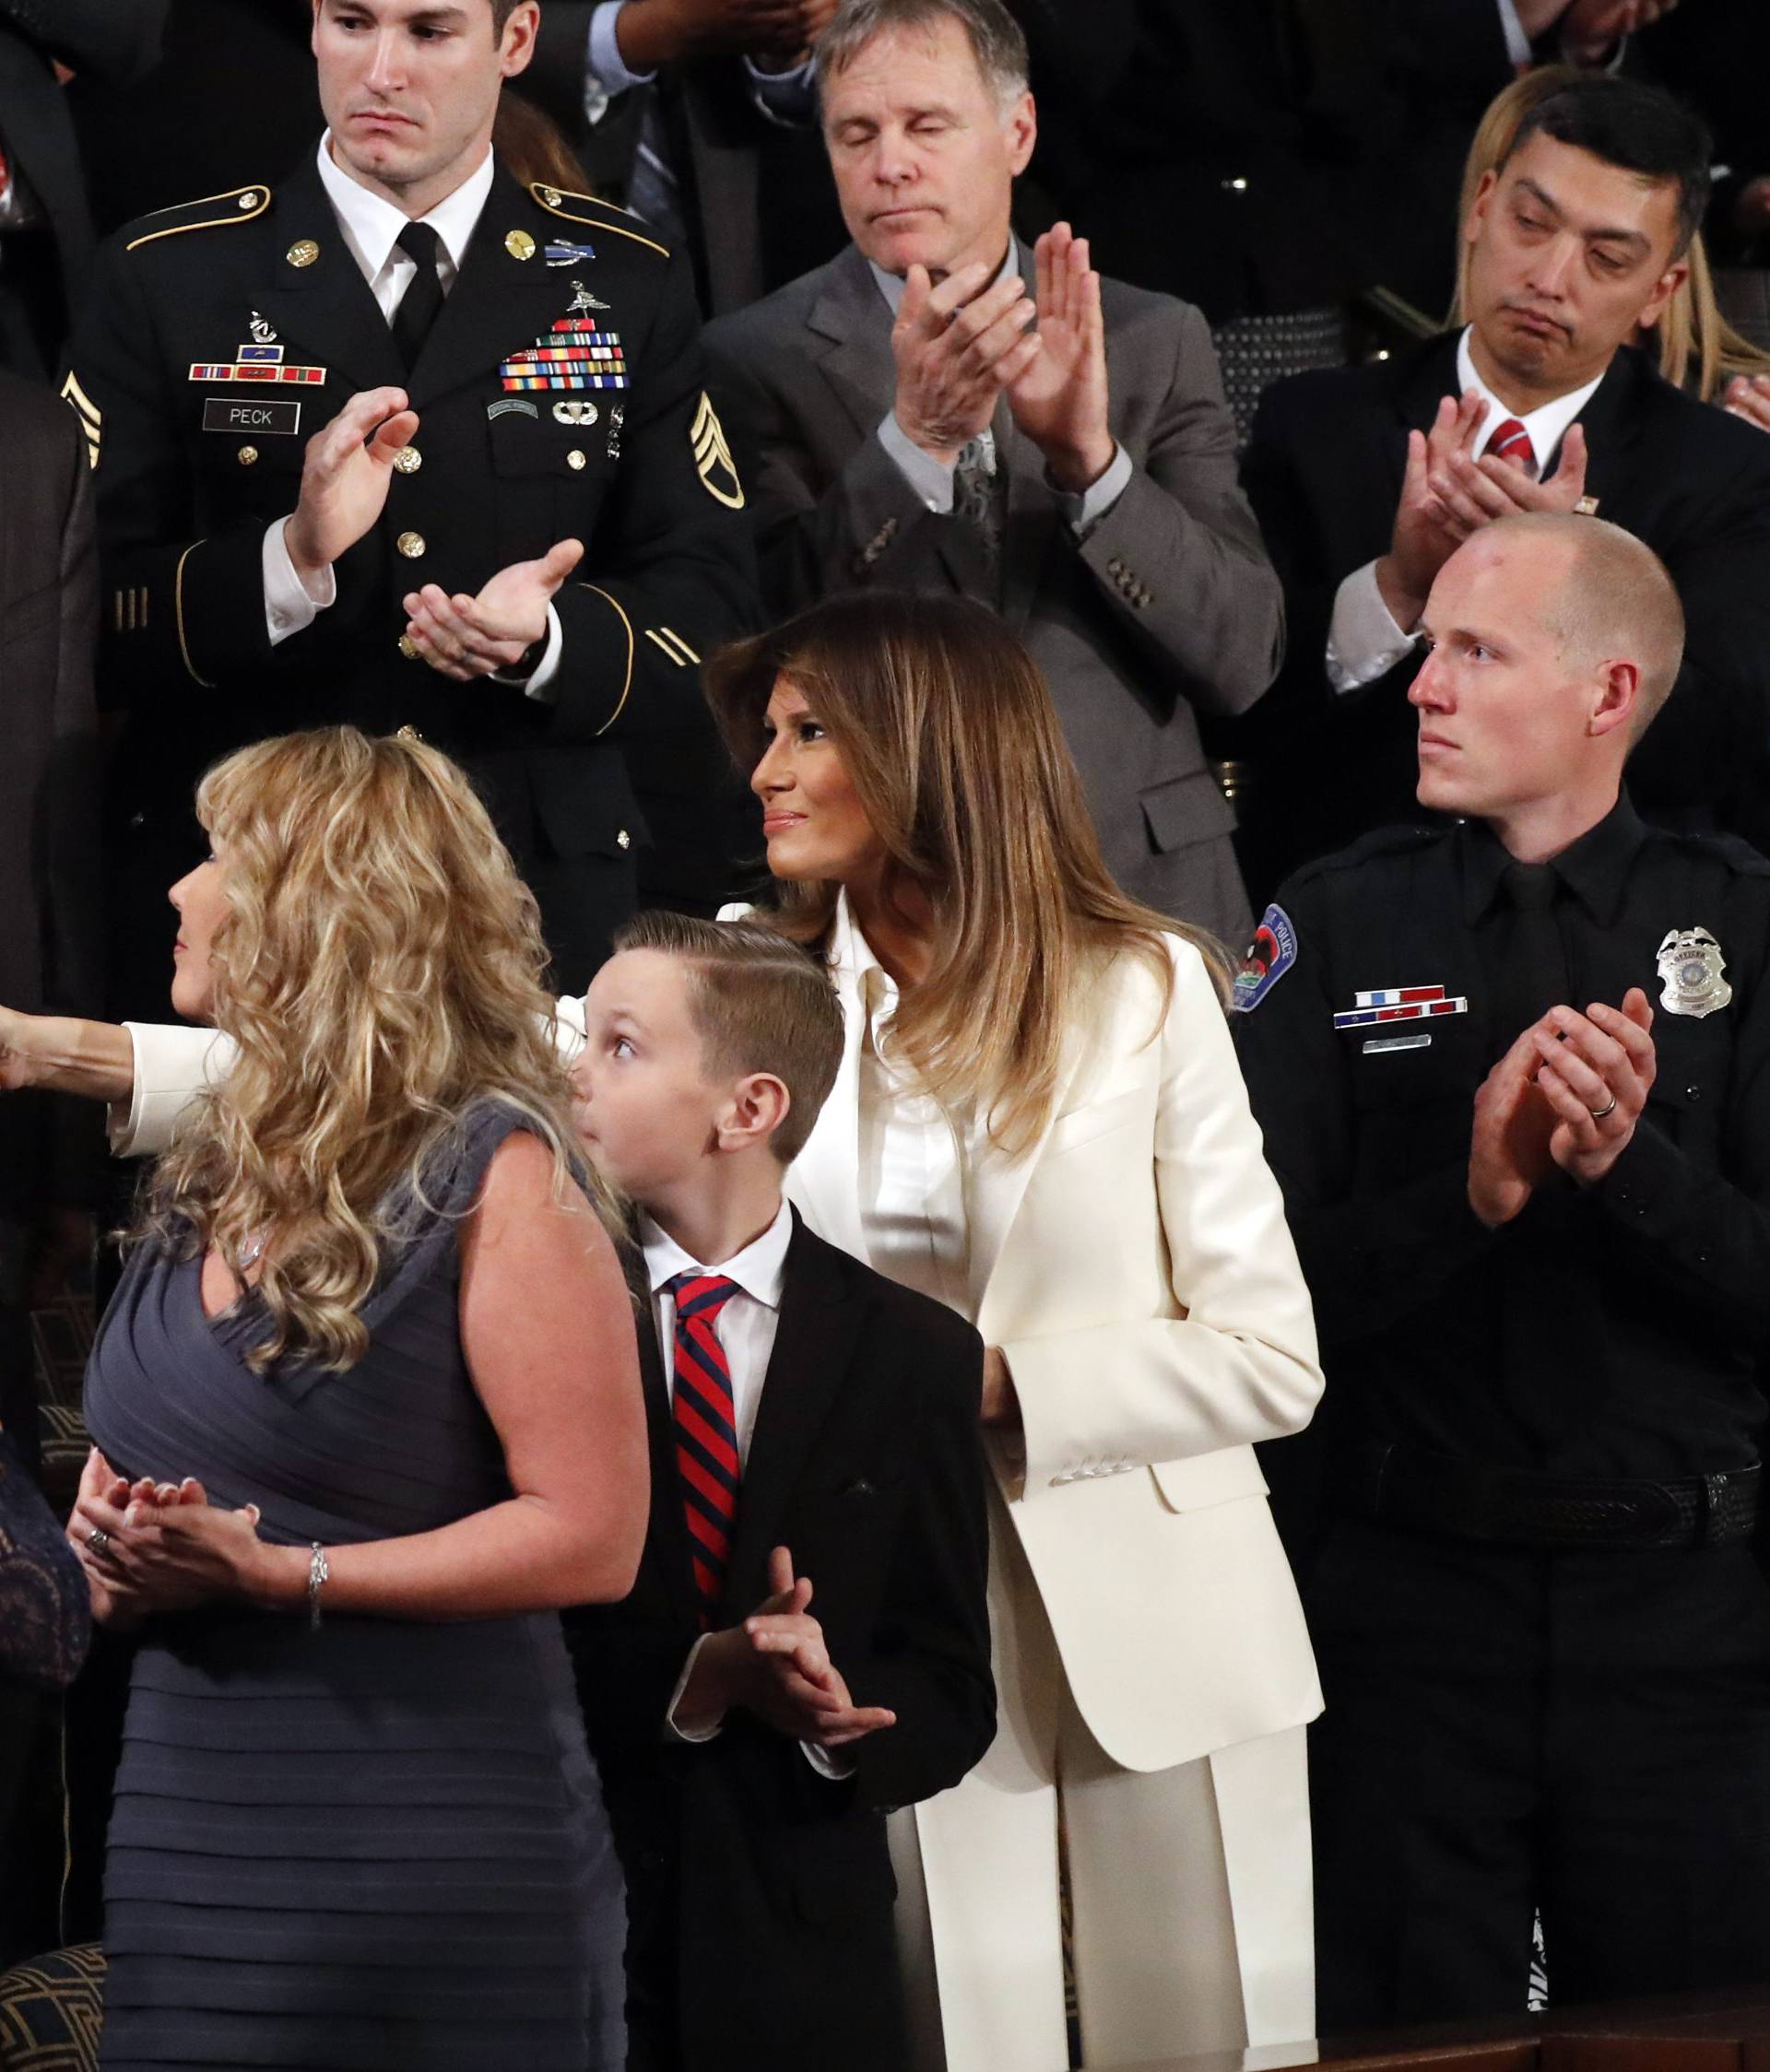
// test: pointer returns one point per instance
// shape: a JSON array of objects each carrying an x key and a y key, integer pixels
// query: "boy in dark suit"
[{"x": 814, "y": 1442}]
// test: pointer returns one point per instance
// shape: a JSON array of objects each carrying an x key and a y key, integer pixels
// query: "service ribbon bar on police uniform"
[{"x": 1400, "y": 1002}]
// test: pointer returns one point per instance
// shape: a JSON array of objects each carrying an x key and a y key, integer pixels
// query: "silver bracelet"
[{"x": 317, "y": 1573}]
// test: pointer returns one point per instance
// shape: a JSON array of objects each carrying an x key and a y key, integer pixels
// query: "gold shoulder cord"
[
  {"x": 553, "y": 199},
  {"x": 248, "y": 203}
]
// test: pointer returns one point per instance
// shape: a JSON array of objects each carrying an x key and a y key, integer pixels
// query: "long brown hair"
[
  {"x": 947, "y": 734},
  {"x": 379, "y": 969}
]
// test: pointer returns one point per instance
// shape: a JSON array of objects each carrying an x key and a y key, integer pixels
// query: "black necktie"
[
  {"x": 1533, "y": 974},
  {"x": 423, "y": 296}
]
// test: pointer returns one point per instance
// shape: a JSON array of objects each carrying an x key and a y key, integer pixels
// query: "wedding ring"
[
  {"x": 97, "y": 1540},
  {"x": 1597, "y": 1114}
]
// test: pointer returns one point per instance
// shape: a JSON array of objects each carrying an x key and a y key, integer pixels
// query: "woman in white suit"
[
  {"x": 1042, "y": 1104},
  {"x": 1039, "y": 1120}
]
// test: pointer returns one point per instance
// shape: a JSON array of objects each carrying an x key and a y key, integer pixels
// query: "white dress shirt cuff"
[
  {"x": 1517, "y": 44},
  {"x": 289, "y": 606},
  {"x": 1086, "y": 511},
  {"x": 608, "y": 68},
  {"x": 1363, "y": 641},
  {"x": 172, "y": 1065},
  {"x": 673, "y": 1728},
  {"x": 931, "y": 479},
  {"x": 789, "y": 99},
  {"x": 837, "y": 1769},
  {"x": 539, "y": 684}
]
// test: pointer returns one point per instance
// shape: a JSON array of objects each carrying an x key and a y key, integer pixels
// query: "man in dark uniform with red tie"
[
  {"x": 1514, "y": 1074},
  {"x": 1365, "y": 479},
  {"x": 401, "y": 442}
]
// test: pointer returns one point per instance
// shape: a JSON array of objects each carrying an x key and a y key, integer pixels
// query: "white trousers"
[{"x": 1191, "y": 1888}]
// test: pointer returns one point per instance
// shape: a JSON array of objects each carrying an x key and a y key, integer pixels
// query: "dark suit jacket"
[
  {"x": 186, "y": 492},
  {"x": 49, "y": 908},
  {"x": 757, "y": 197},
  {"x": 1324, "y": 469},
  {"x": 760, "y": 1892},
  {"x": 111, "y": 40},
  {"x": 1167, "y": 607}
]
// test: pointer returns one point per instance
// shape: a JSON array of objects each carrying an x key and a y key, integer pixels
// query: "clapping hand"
[
  {"x": 467, "y": 637},
  {"x": 157, "y": 1546},
  {"x": 1595, "y": 1072},
  {"x": 1747, "y": 396},
  {"x": 957, "y": 347},
  {"x": 1508, "y": 1154},
  {"x": 344, "y": 476},
  {"x": 793, "y": 1684},
  {"x": 1060, "y": 401}
]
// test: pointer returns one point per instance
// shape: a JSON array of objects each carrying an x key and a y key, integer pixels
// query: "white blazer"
[{"x": 1136, "y": 1268}]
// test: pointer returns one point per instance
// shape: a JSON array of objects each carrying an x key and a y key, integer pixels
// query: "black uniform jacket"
[
  {"x": 1324, "y": 472},
  {"x": 1614, "y": 1330},
  {"x": 760, "y": 1892},
  {"x": 195, "y": 459}
]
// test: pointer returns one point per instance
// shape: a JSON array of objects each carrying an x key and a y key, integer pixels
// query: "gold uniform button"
[
  {"x": 248, "y": 456},
  {"x": 250, "y": 198},
  {"x": 302, "y": 252},
  {"x": 408, "y": 647},
  {"x": 574, "y": 459},
  {"x": 408, "y": 459},
  {"x": 623, "y": 840},
  {"x": 550, "y": 195},
  {"x": 411, "y": 545}
]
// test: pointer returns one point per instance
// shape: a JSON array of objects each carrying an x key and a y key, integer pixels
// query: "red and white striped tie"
[
  {"x": 706, "y": 1432},
  {"x": 1511, "y": 443}
]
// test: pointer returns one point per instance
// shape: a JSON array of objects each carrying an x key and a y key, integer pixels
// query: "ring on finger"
[
  {"x": 97, "y": 1540},
  {"x": 1597, "y": 1114}
]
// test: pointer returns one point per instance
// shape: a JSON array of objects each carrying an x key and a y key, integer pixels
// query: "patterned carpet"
[{"x": 51, "y": 2012}]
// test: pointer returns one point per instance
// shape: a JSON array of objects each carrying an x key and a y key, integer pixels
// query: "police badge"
[{"x": 1692, "y": 967}]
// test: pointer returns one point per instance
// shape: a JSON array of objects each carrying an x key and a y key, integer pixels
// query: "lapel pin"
[
  {"x": 520, "y": 245},
  {"x": 302, "y": 252},
  {"x": 574, "y": 413}
]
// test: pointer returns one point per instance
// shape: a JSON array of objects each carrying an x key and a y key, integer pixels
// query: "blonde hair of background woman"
[
  {"x": 379, "y": 968},
  {"x": 948, "y": 737},
  {"x": 1692, "y": 327}
]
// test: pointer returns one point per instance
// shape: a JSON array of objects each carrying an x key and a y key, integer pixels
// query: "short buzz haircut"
[
  {"x": 997, "y": 40},
  {"x": 759, "y": 1003},
  {"x": 1616, "y": 601},
  {"x": 1636, "y": 127}
]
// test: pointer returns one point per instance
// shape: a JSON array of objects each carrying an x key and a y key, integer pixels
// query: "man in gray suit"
[{"x": 938, "y": 409}]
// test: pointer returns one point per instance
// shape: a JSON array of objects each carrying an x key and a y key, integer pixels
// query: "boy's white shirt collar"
[{"x": 759, "y": 1269}]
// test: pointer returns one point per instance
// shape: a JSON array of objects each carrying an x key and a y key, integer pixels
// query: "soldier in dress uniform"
[
  {"x": 1514, "y": 1079},
  {"x": 401, "y": 442}
]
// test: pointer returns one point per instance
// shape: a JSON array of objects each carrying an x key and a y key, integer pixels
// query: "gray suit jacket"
[{"x": 1166, "y": 608}]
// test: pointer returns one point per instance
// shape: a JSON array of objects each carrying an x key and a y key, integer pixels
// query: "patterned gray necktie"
[{"x": 978, "y": 496}]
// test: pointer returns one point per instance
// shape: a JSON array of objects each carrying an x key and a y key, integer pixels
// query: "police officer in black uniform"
[
  {"x": 517, "y": 530},
  {"x": 1515, "y": 1078}
]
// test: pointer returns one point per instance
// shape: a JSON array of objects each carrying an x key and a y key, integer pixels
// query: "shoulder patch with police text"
[{"x": 1269, "y": 957}]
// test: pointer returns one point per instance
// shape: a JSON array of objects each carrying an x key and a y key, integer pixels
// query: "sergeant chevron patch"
[
  {"x": 713, "y": 455},
  {"x": 91, "y": 418}
]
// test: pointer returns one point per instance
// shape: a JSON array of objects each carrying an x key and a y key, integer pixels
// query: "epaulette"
[
  {"x": 561, "y": 200},
  {"x": 213, "y": 212},
  {"x": 1380, "y": 842},
  {"x": 1732, "y": 850}
]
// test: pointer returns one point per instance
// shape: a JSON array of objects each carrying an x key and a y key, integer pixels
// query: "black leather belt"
[{"x": 1437, "y": 1493}]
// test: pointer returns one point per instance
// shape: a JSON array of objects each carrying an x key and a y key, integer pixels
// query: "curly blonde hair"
[{"x": 380, "y": 967}]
